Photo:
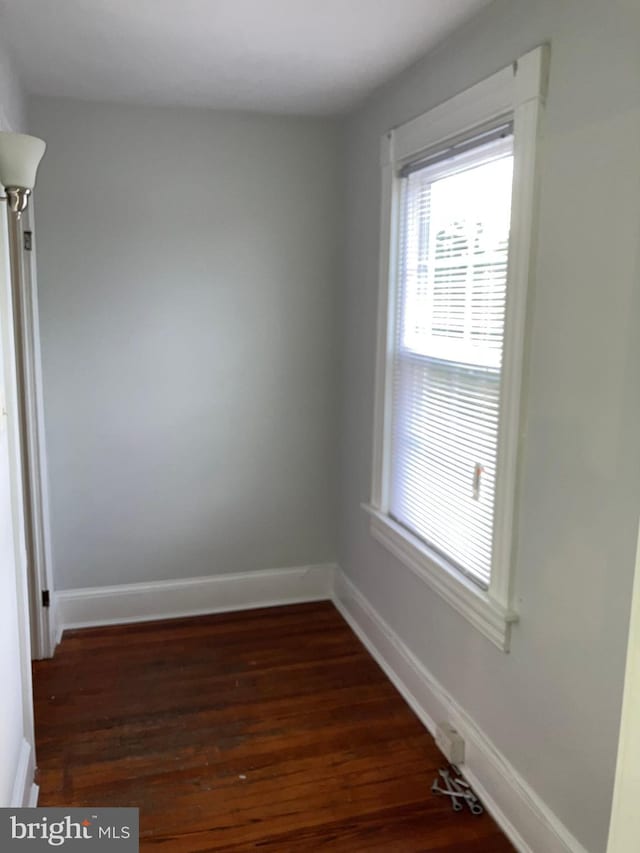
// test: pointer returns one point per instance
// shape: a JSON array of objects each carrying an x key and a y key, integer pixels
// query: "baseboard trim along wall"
[
  {"x": 142, "y": 602},
  {"x": 522, "y": 815},
  {"x": 25, "y": 792},
  {"x": 527, "y": 821}
]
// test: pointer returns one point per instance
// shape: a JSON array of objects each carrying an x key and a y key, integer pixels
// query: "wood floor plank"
[{"x": 267, "y": 730}]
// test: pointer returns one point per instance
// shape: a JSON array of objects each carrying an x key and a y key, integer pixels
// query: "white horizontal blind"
[{"x": 449, "y": 331}]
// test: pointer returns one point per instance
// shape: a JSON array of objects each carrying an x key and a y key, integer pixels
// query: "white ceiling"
[{"x": 291, "y": 56}]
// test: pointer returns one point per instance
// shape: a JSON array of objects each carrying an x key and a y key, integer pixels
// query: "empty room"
[{"x": 319, "y": 457}]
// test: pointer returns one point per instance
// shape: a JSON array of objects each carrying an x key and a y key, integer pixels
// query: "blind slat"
[{"x": 449, "y": 330}]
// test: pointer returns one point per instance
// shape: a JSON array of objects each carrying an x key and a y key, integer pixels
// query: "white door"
[{"x": 16, "y": 708}]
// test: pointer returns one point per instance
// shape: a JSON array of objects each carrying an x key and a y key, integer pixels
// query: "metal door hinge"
[
  {"x": 28, "y": 240},
  {"x": 46, "y": 598}
]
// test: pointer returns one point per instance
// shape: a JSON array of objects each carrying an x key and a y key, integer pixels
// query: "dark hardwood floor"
[{"x": 268, "y": 730}]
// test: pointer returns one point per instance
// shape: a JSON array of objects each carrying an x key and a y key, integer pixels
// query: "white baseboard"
[
  {"x": 23, "y": 784},
  {"x": 527, "y": 821},
  {"x": 141, "y": 602}
]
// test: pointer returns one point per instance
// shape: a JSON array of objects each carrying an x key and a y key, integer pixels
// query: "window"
[
  {"x": 458, "y": 191},
  {"x": 449, "y": 334}
]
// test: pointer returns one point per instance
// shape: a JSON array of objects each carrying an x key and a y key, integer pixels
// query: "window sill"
[{"x": 476, "y": 605}]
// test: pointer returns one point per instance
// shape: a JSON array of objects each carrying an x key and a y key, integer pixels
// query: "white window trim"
[{"x": 519, "y": 91}]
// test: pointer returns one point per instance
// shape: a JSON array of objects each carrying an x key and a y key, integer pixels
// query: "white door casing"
[
  {"x": 36, "y": 496},
  {"x": 624, "y": 832},
  {"x": 16, "y": 716}
]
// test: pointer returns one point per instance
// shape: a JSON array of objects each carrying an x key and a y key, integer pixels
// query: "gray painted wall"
[
  {"x": 188, "y": 276},
  {"x": 12, "y": 100},
  {"x": 552, "y": 706}
]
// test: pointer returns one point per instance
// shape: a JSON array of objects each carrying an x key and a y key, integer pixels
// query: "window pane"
[
  {"x": 449, "y": 334},
  {"x": 454, "y": 262}
]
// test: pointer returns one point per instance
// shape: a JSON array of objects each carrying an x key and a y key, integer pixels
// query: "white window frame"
[{"x": 517, "y": 91}]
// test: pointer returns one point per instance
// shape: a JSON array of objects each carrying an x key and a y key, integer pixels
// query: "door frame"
[
  {"x": 33, "y": 442},
  {"x": 19, "y": 567},
  {"x": 30, "y": 456},
  {"x": 624, "y": 829}
]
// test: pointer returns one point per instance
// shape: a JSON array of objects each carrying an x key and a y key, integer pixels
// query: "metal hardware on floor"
[{"x": 458, "y": 789}]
